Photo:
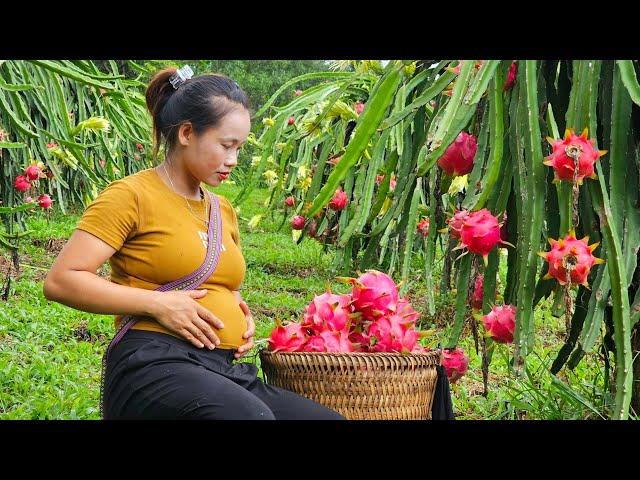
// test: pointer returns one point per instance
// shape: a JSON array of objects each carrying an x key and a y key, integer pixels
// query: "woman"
[{"x": 174, "y": 250}]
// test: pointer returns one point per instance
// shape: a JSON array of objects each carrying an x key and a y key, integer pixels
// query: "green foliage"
[
  {"x": 412, "y": 113},
  {"x": 258, "y": 78},
  {"x": 50, "y": 354},
  {"x": 409, "y": 122}
]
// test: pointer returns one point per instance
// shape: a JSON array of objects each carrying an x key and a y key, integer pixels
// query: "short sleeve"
[
  {"x": 235, "y": 229},
  {"x": 113, "y": 215}
]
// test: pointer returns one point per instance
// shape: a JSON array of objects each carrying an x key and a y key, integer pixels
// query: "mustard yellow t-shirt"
[{"x": 158, "y": 240}]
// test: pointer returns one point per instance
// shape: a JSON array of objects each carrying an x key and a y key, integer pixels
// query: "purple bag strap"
[{"x": 193, "y": 280}]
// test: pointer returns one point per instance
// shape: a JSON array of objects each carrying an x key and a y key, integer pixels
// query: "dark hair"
[{"x": 202, "y": 101}]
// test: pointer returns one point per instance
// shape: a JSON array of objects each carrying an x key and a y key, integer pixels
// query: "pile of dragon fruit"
[{"x": 372, "y": 318}]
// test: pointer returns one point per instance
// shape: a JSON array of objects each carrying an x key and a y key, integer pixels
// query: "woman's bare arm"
[{"x": 73, "y": 281}]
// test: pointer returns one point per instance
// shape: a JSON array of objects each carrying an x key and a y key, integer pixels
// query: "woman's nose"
[{"x": 232, "y": 160}]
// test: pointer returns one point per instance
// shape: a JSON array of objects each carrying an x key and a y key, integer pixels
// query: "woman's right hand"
[{"x": 180, "y": 313}]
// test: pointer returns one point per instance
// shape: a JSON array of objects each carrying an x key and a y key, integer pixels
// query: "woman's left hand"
[{"x": 243, "y": 349}]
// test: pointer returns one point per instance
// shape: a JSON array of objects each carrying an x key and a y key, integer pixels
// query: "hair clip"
[{"x": 182, "y": 75}]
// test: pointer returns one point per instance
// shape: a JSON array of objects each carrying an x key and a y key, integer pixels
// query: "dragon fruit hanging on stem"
[{"x": 480, "y": 233}]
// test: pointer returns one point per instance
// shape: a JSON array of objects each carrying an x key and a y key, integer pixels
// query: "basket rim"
[{"x": 431, "y": 353}]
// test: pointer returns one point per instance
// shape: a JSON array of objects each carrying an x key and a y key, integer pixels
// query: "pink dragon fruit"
[
  {"x": 289, "y": 338},
  {"x": 409, "y": 341},
  {"x": 563, "y": 165},
  {"x": 45, "y": 201},
  {"x": 32, "y": 172},
  {"x": 22, "y": 184},
  {"x": 500, "y": 323},
  {"x": 291, "y": 120},
  {"x": 423, "y": 227},
  {"x": 336, "y": 341},
  {"x": 339, "y": 200},
  {"x": 511, "y": 76},
  {"x": 458, "y": 157},
  {"x": 360, "y": 340},
  {"x": 290, "y": 201},
  {"x": 297, "y": 222},
  {"x": 315, "y": 343},
  {"x": 573, "y": 253},
  {"x": 419, "y": 349},
  {"x": 374, "y": 294},
  {"x": 478, "y": 292},
  {"x": 480, "y": 233},
  {"x": 392, "y": 334},
  {"x": 455, "y": 362},
  {"x": 328, "y": 312},
  {"x": 359, "y": 107},
  {"x": 455, "y": 222},
  {"x": 406, "y": 311}
]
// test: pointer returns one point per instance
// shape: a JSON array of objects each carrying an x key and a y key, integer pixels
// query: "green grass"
[{"x": 50, "y": 355}]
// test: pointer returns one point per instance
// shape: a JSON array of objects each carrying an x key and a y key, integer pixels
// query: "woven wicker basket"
[{"x": 360, "y": 386}]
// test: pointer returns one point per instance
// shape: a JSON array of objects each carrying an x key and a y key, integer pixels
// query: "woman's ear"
[{"x": 185, "y": 132}]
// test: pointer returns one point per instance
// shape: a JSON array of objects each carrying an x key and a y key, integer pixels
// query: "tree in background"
[{"x": 259, "y": 78}]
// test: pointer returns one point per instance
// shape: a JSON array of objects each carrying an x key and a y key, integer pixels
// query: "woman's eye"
[{"x": 227, "y": 146}]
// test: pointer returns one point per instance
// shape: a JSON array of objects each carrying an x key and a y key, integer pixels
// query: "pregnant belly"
[{"x": 224, "y": 305}]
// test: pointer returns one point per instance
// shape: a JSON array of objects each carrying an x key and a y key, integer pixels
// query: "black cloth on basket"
[{"x": 442, "y": 408}]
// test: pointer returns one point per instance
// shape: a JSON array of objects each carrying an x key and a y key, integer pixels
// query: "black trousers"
[{"x": 151, "y": 375}]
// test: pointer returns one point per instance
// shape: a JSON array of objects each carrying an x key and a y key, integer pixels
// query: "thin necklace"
[{"x": 190, "y": 209}]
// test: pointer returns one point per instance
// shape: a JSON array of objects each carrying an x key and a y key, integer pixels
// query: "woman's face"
[{"x": 216, "y": 149}]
